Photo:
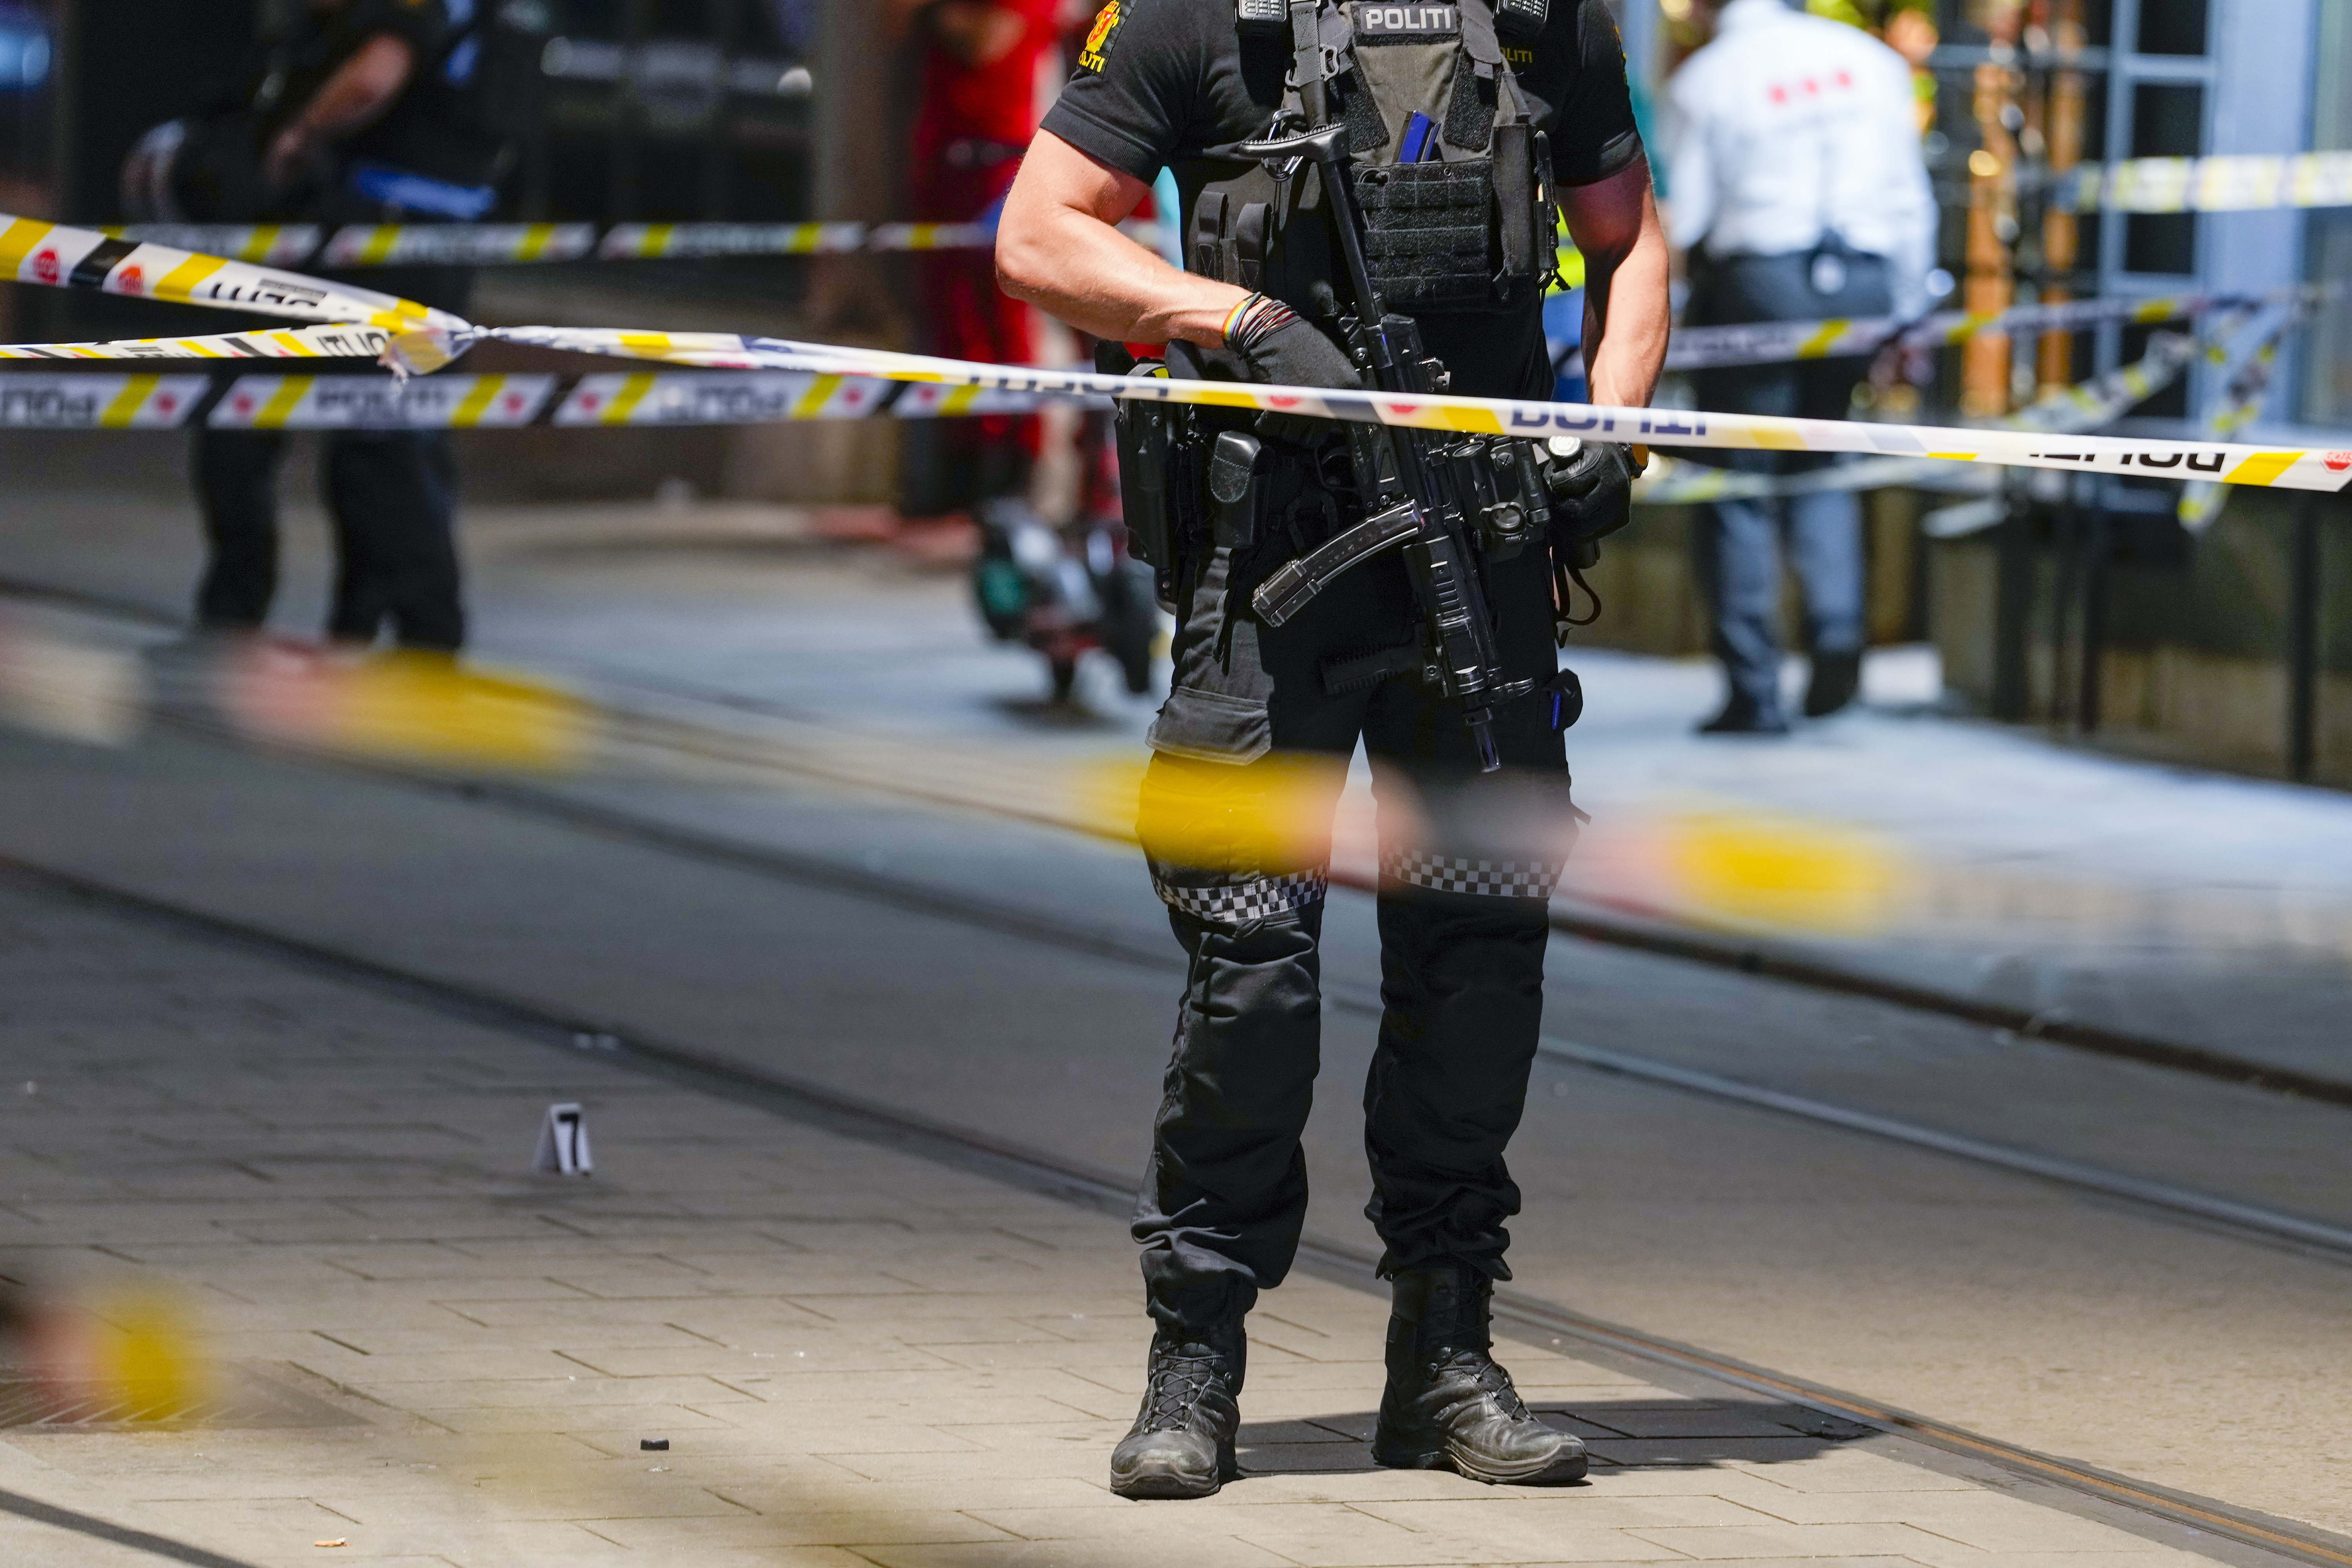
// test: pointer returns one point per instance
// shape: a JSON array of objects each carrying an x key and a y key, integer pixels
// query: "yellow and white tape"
[
  {"x": 507, "y": 244},
  {"x": 381, "y": 403},
  {"x": 2085, "y": 406},
  {"x": 78, "y": 401},
  {"x": 758, "y": 398},
  {"x": 2229, "y": 183},
  {"x": 434, "y": 336},
  {"x": 58, "y": 257},
  {"x": 2229, "y": 462},
  {"x": 1777, "y": 343},
  {"x": 290, "y": 342}
]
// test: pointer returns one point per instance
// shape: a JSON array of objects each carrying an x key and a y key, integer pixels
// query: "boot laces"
[
  {"x": 1178, "y": 1385},
  {"x": 1486, "y": 1374},
  {"x": 1497, "y": 1383}
]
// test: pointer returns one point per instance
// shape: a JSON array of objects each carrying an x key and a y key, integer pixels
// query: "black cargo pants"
[
  {"x": 1251, "y": 750},
  {"x": 393, "y": 495}
]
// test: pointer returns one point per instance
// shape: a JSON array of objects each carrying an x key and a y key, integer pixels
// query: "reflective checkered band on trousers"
[
  {"x": 1464, "y": 873},
  {"x": 1239, "y": 901}
]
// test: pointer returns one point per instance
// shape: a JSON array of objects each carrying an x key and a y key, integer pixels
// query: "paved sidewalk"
[{"x": 857, "y": 1357}]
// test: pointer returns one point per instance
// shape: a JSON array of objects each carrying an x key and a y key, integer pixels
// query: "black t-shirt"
[
  {"x": 1162, "y": 81},
  {"x": 434, "y": 128}
]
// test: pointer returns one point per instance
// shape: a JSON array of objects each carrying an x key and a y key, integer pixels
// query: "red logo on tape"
[
  {"x": 130, "y": 280},
  {"x": 44, "y": 267},
  {"x": 2338, "y": 462}
]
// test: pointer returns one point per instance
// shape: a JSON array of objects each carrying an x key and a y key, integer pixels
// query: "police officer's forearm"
[
  {"x": 361, "y": 87},
  {"x": 1058, "y": 248},
  {"x": 1627, "y": 273}
]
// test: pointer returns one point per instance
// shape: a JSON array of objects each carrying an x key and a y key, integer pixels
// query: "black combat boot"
[
  {"x": 1448, "y": 1405},
  {"x": 1181, "y": 1443}
]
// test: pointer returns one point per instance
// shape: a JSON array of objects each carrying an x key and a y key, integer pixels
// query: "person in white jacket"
[{"x": 1797, "y": 188}]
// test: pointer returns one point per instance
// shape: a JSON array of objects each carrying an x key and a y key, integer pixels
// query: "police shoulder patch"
[
  {"x": 1095, "y": 51},
  {"x": 1377, "y": 22}
]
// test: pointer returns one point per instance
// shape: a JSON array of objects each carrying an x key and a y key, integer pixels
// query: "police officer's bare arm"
[
  {"x": 1058, "y": 248},
  {"x": 361, "y": 87},
  {"x": 1627, "y": 262}
]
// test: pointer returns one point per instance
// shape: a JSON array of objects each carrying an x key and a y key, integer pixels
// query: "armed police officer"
[
  {"x": 353, "y": 111},
  {"x": 1368, "y": 193}
]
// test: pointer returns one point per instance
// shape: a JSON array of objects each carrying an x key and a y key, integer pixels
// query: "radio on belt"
[
  {"x": 1521, "y": 21},
  {"x": 1262, "y": 15}
]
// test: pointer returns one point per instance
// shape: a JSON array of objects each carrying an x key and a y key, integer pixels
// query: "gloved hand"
[
  {"x": 1591, "y": 488},
  {"x": 1273, "y": 345}
]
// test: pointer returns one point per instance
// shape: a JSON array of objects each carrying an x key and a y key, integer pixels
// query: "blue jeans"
[
  {"x": 1739, "y": 556},
  {"x": 1740, "y": 543}
]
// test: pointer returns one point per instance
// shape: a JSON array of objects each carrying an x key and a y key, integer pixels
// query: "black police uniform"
[
  {"x": 391, "y": 493},
  {"x": 1462, "y": 904}
]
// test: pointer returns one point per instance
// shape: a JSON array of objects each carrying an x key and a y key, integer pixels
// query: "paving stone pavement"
[{"x": 858, "y": 1358}]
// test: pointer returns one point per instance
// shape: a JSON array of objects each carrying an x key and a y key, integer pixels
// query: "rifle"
[{"x": 1442, "y": 498}]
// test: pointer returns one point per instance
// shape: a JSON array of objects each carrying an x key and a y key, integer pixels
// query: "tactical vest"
[{"x": 1466, "y": 223}]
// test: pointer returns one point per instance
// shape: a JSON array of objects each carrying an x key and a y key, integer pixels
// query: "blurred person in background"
[
  {"x": 1798, "y": 191},
  {"x": 350, "y": 112},
  {"x": 989, "y": 68}
]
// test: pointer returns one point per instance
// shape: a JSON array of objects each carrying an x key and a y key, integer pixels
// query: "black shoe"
[
  {"x": 1742, "y": 716},
  {"x": 1837, "y": 678},
  {"x": 1181, "y": 1443},
  {"x": 1448, "y": 1405}
]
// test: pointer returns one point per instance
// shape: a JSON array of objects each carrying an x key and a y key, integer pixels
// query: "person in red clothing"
[{"x": 989, "y": 68}]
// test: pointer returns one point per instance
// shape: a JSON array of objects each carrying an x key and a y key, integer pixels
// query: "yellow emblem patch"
[{"x": 1098, "y": 37}]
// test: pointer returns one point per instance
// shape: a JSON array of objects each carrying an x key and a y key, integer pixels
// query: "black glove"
[
  {"x": 1592, "y": 489},
  {"x": 1273, "y": 345}
]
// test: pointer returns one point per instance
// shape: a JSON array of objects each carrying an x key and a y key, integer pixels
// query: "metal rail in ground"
[
  {"x": 1034, "y": 1171},
  {"x": 1589, "y": 923}
]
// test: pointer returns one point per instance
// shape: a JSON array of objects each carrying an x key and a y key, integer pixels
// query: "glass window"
[
  {"x": 2168, "y": 121},
  {"x": 2172, "y": 26},
  {"x": 2326, "y": 391}
]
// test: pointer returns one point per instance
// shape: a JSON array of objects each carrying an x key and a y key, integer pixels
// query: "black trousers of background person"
[
  {"x": 1463, "y": 923},
  {"x": 391, "y": 495}
]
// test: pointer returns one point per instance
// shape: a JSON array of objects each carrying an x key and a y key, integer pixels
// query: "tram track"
[
  {"x": 1589, "y": 923},
  {"x": 2218, "y": 1213},
  {"x": 2191, "y": 1520}
]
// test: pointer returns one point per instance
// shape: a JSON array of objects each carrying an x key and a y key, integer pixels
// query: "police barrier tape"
[
  {"x": 2227, "y": 184},
  {"x": 2230, "y": 462},
  {"x": 494, "y": 401},
  {"x": 293, "y": 343},
  {"x": 2239, "y": 402},
  {"x": 57, "y": 257},
  {"x": 488, "y": 402},
  {"x": 424, "y": 340},
  {"x": 2085, "y": 406},
  {"x": 1775, "y": 342},
  {"x": 507, "y": 244}
]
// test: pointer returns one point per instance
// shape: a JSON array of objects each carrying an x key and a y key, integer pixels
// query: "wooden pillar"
[
  {"x": 1992, "y": 213},
  {"x": 2060, "y": 230},
  {"x": 863, "y": 90}
]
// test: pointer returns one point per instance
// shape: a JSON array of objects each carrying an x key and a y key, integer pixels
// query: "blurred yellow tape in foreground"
[
  {"x": 1780, "y": 872},
  {"x": 416, "y": 708}
]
